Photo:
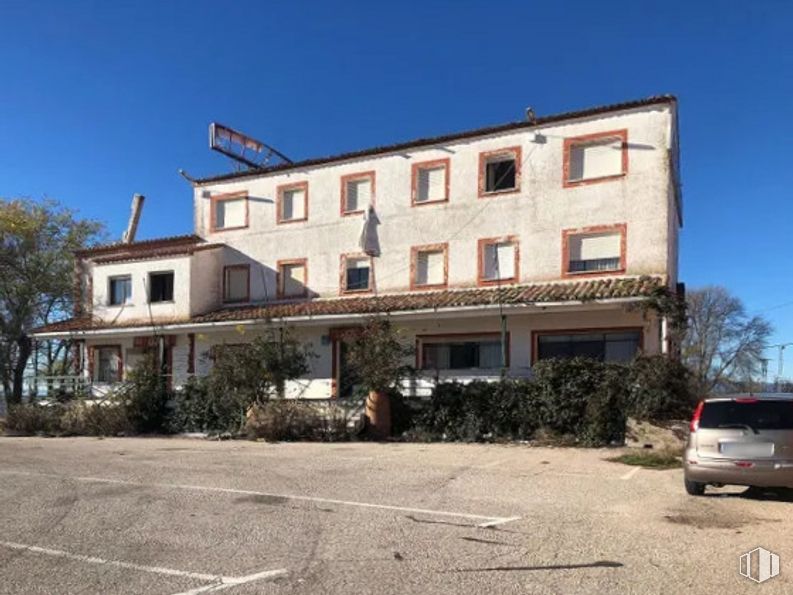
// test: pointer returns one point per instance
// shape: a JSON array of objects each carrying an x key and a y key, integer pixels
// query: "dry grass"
[{"x": 650, "y": 459}]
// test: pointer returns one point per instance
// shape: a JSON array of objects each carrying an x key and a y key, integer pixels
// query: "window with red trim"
[
  {"x": 357, "y": 192},
  {"x": 430, "y": 182},
  {"x": 595, "y": 157}
]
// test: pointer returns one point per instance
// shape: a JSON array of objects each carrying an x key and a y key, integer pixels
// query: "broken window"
[
  {"x": 236, "y": 283},
  {"x": 500, "y": 171},
  {"x": 161, "y": 287},
  {"x": 120, "y": 290}
]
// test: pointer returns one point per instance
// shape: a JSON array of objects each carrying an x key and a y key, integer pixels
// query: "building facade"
[{"x": 559, "y": 226}]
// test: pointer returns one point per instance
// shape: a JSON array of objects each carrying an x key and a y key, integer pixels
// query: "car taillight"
[{"x": 697, "y": 414}]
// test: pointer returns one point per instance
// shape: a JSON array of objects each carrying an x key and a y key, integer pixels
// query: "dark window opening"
[
  {"x": 160, "y": 287},
  {"x": 120, "y": 290},
  {"x": 357, "y": 278},
  {"x": 461, "y": 355},
  {"x": 609, "y": 347},
  {"x": 758, "y": 415},
  {"x": 500, "y": 175},
  {"x": 595, "y": 264}
]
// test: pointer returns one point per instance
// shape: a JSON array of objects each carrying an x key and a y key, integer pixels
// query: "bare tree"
[{"x": 724, "y": 345}]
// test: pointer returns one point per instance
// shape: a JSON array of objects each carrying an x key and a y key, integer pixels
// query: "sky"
[{"x": 99, "y": 100}]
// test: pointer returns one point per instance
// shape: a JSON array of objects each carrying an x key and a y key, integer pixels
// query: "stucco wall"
[
  {"x": 537, "y": 214},
  {"x": 139, "y": 309}
]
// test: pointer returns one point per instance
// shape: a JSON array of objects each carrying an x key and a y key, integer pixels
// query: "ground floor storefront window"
[{"x": 608, "y": 346}]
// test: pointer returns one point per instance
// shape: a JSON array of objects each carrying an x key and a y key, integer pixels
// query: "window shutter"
[
  {"x": 230, "y": 213},
  {"x": 293, "y": 205},
  {"x": 499, "y": 261},
  {"x": 431, "y": 184},
  {"x": 595, "y": 246},
  {"x": 596, "y": 159},
  {"x": 429, "y": 268},
  {"x": 359, "y": 194}
]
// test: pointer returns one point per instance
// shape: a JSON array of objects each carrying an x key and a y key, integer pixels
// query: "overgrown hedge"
[{"x": 580, "y": 400}]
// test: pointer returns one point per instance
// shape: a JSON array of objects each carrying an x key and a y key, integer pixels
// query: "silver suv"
[{"x": 740, "y": 440}]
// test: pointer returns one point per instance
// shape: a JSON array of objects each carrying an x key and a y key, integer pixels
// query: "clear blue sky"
[{"x": 102, "y": 99}]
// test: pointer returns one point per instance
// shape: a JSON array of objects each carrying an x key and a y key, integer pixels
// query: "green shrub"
[
  {"x": 605, "y": 417},
  {"x": 198, "y": 408},
  {"x": 659, "y": 388},
  {"x": 144, "y": 397},
  {"x": 34, "y": 418},
  {"x": 479, "y": 411}
]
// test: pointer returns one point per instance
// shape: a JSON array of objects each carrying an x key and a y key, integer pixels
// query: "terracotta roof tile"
[
  {"x": 140, "y": 246},
  {"x": 419, "y": 142},
  {"x": 584, "y": 290}
]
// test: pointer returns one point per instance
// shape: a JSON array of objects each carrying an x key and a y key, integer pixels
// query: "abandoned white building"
[{"x": 562, "y": 224}]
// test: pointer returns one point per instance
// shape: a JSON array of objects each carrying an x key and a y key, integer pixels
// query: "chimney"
[{"x": 134, "y": 218}]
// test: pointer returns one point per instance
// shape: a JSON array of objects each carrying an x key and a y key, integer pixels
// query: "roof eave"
[{"x": 423, "y": 142}]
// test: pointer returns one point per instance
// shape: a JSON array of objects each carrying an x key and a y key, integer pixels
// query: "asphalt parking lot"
[{"x": 183, "y": 516}]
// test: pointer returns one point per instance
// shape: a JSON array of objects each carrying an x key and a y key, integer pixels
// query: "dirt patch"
[
  {"x": 261, "y": 499},
  {"x": 713, "y": 519}
]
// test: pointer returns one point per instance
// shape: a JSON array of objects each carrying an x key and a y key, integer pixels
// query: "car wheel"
[{"x": 694, "y": 488}]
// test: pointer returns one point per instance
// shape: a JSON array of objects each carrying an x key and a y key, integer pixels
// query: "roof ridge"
[{"x": 516, "y": 125}]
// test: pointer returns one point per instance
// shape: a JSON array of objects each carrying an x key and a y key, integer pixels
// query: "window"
[
  {"x": 461, "y": 353},
  {"x": 499, "y": 171},
  {"x": 594, "y": 251},
  {"x": 108, "y": 364},
  {"x": 609, "y": 346},
  {"x": 595, "y": 157},
  {"x": 120, "y": 290},
  {"x": 292, "y": 278},
  {"x": 757, "y": 414},
  {"x": 429, "y": 266},
  {"x": 293, "y": 202},
  {"x": 498, "y": 260},
  {"x": 356, "y": 273},
  {"x": 237, "y": 283},
  {"x": 430, "y": 182},
  {"x": 357, "y": 192},
  {"x": 160, "y": 287},
  {"x": 229, "y": 211}
]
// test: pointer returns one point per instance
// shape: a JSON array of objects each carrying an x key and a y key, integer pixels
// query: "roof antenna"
[
  {"x": 531, "y": 117},
  {"x": 132, "y": 227}
]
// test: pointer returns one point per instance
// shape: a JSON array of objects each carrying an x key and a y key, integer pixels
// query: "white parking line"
[
  {"x": 487, "y": 520},
  {"x": 219, "y": 582},
  {"x": 631, "y": 473}
]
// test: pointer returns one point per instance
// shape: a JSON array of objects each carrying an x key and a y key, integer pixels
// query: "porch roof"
[{"x": 590, "y": 290}]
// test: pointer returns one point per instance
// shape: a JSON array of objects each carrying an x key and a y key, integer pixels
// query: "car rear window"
[{"x": 759, "y": 415}]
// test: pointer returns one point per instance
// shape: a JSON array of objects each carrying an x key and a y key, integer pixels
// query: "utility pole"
[{"x": 780, "y": 368}]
